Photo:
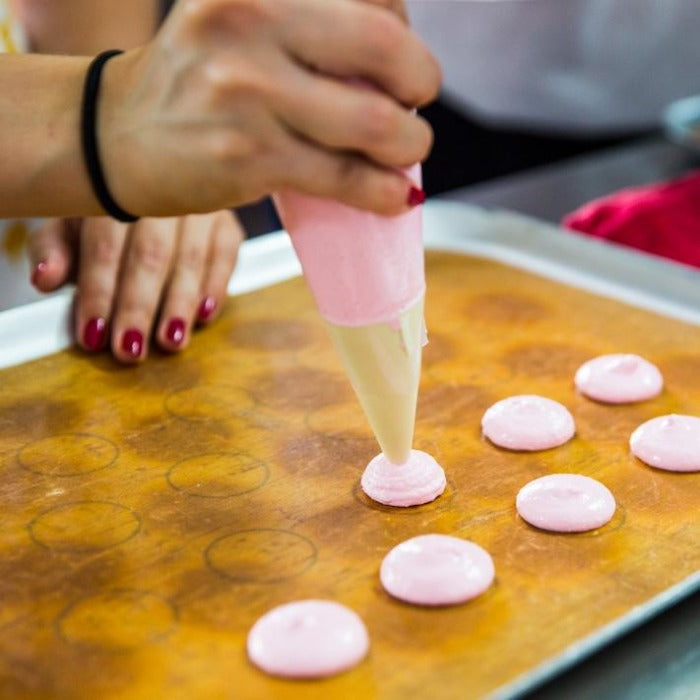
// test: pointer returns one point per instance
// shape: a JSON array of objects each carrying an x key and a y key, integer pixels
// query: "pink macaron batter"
[
  {"x": 436, "y": 570},
  {"x": 565, "y": 503},
  {"x": 619, "y": 378},
  {"x": 528, "y": 422},
  {"x": 418, "y": 480},
  {"x": 308, "y": 639},
  {"x": 669, "y": 442}
]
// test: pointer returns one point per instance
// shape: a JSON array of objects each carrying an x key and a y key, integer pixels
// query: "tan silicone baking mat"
[{"x": 151, "y": 514}]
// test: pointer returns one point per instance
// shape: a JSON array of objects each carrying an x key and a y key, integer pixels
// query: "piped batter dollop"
[
  {"x": 418, "y": 480},
  {"x": 528, "y": 422},
  {"x": 308, "y": 639},
  {"x": 565, "y": 503},
  {"x": 619, "y": 378},
  {"x": 436, "y": 570},
  {"x": 669, "y": 442}
]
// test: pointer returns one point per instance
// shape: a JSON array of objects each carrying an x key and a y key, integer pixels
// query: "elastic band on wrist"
[{"x": 88, "y": 129}]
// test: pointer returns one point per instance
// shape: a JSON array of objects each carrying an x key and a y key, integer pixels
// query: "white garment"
[{"x": 578, "y": 65}]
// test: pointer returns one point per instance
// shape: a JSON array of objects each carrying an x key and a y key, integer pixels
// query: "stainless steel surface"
[
  {"x": 660, "y": 660},
  {"x": 550, "y": 192}
]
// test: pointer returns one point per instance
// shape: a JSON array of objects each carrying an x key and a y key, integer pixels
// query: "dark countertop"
[{"x": 661, "y": 658}]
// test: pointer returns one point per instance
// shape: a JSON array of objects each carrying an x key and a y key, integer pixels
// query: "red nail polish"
[
  {"x": 39, "y": 269},
  {"x": 176, "y": 331},
  {"x": 206, "y": 308},
  {"x": 94, "y": 334},
  {"x": 416, "y": 196},
  {"x": 132, "y": 343}
]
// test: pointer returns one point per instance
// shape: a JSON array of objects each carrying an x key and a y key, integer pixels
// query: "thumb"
[{"x": 53, "y": 251}]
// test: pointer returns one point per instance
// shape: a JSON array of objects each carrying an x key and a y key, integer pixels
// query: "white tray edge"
[{"x": 41, "y": 328}]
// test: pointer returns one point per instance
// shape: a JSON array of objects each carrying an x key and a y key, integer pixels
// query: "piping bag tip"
[{"x": 383, "y": 365}]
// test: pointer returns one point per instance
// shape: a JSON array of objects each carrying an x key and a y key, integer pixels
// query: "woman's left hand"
[{"x": 154, "y": 278}]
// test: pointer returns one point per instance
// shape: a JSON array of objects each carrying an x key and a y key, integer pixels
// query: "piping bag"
[{"x": 367, "y": 275}]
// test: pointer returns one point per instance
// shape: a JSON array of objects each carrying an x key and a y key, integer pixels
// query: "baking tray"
[{"x": 260, "y": 379}]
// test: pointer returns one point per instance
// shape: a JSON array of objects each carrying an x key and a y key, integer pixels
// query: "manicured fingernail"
[
  {"x": 132, "y": 343},
  {"x": 176, "y": 331},
  {"x": 39, "y": 269},
  {"x": 206, "y": 308},
  {"x": 416, "y": 196},
  {"x": 94, "y": 334}
]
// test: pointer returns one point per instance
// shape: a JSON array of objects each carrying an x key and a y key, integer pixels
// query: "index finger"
[
  {"x": 398, "y": 7},
  {"x": 347, "y": 38}
]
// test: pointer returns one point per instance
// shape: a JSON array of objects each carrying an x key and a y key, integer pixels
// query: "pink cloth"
[{"x": 661, "y": 218}]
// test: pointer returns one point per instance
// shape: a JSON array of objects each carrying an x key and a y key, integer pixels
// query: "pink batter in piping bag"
[{"x": 366, "y": 273}]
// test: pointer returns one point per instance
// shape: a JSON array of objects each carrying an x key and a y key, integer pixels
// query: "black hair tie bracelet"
[{"x": 88, "y": 128}]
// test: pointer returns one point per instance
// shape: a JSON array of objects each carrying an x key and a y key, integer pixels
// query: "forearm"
[
  {"x": 86, "y": 27},
  {"x": 40, "y": 99},
  {"x": 225, "y": 105},
  {"x": 42, "y": 171}
]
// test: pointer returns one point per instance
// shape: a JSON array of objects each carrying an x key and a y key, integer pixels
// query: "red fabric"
[{"x": 663, "y": 218}]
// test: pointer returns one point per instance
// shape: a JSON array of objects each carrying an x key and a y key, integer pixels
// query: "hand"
[
  {"x": 238, "y": 98},
  {"x": 155, "y": 277}
]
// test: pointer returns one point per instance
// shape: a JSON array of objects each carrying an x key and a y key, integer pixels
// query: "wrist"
[{"x": 118, "y": 135}]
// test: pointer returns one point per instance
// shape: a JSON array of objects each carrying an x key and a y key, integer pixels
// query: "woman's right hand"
[{"x": 237, "y": 98}]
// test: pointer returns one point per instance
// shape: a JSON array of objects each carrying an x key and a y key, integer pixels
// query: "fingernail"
[
  {"x": 206, "y": 308},
  {"x": 39, "y": 269},
  {"x": 94, "y": 334},
  {"x": 416, "y": 196},
  {"x": 176, "y": 331},
  {"x": 132, "y": 343}
]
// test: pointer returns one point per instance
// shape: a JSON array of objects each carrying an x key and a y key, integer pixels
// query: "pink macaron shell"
[
  {"x": 669, "y": 442},
  {"x": 528, "y": 422},
  {"x": 565, "y": 503},
  {"x": 619, "y": 378},
  {"x": 308, "y": 639},
  {"x": 419, "y": 480},
  {"x": 435, "y": 570}
]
